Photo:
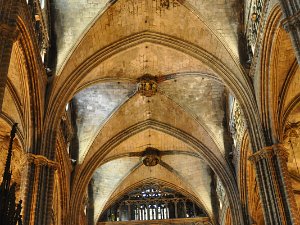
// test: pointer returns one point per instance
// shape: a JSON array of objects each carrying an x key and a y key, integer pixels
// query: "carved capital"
[
  {"x": 40, "y": 160},
  {"x": 268, "y": 152},
  {"x": 265, "y": 153},
  {"x": 292, "y": 22},
  {"x": 281, "y": 152},
  {"x": 9, "y": 32}
]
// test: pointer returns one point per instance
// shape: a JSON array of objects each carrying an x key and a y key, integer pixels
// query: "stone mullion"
[
  {"x": 275, "y": 187},
  {"x": 291, "y": 22}
]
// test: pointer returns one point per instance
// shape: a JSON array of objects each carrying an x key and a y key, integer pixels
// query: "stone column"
[
  {"x": 8, "y": 34},
  {"x": 90, "y": 209},
  {"x": 291, "y": 22},
  {"x": 138, "y": 211},
  {"x": 184, "y": 208},
  {"x": 129, "y": 212},
  {"x": 276, "y": 191},
  {"x": 176, "y": 211},
  {"x": 39, "y": 190},
  {"x": 167, "y": 210},
  {"x": 148, "y": 211},
  {"x": 194, "y": 210}
]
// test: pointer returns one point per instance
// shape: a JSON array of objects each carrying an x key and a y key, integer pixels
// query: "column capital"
[
  {"x": 9, "y": 32},
  {"x": 41, "y": 160},
  {"x": 291, "y": 22},
  {"x": 269, "y": 151}
]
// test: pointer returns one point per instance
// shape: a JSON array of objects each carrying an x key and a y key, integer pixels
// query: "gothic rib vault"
[
  {"x": 216, "y": 96},
  {"x": 188, "y": 90}
]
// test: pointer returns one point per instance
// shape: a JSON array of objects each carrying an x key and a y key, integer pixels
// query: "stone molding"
[
  {"x": 274, "y": 158},
  {"x": 291, "y": 22},
  {"x": 269, "y": 152},
  {"x": 9, "y": 32},
  {"x": 40, "y": 160}
]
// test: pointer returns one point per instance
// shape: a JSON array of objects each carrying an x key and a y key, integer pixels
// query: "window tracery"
[{"x": 152, "y": 202}]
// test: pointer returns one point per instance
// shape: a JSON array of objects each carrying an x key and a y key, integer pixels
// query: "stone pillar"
[
  {"x": 275, "y": 186},
  {"x": 90, "y": 209},
  {"x": 39, "y": 190},
  {"x": 176, "y": 210},
  {"x": 8, "y": 34},
  {"x": 194, "y": 210},
  {"x": 291, "y": 22},
  {"x": 148, "y": 211},
  {"x": 184, "y": 208},
  {"x": 167, "y": 210},
  {"x": 129, "y": 212},
  {"x": 138, "y": 211}
]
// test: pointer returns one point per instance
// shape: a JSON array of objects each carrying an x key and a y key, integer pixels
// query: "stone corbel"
[{"x": 40, "y": 160}]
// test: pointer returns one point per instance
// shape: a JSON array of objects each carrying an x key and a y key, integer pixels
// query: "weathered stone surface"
[
  {"x": 94, "y": 106},
  {"x": 74, "y": 17}
]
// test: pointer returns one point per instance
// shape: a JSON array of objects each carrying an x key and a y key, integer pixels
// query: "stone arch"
[
  {"x": 218, "y": 165},
  {"x": 275, "y": 78},
  {"x": 248, "y": 185},
  {"x": 158, "y": 181},
  {"x": 290, "y": 97},
  {"x": 240, "y": 89},
  {"x": 35, "y": 80}
]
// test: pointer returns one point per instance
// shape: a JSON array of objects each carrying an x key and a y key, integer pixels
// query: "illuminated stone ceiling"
[
  {"x": 94, "y": 106},
  {"x": 190, "y": 93},
  {"x": 109, "y": 106},
  {"x": 74, "y": 18},
  {"x": 117, "y": 175}
]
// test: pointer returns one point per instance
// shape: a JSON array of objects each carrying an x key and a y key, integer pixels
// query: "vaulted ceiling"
[
  {"x": 74, "y": 18},
  {"x": 104, "y": 47}
]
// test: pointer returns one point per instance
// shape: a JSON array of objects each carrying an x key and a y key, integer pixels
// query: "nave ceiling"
[
  {"x": 121, "y": 77},
  {"x": 102, "y": 56}
]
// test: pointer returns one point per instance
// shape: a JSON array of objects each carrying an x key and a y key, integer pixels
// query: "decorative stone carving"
[
  {"x": 291, "y": 23},
  {"x": 253, "y": 24},
  {"x": 221, "y": 193},
  {"x": 168, "y": 3},
  {"x": 237, "y": 124},
  {"x": 292, "y": 130},
  {"x": 9, "y": 32},
  {"x": 291, "y": 140},
  {"x": 151, "y": 157},
  {"x": 147, "y": 85},
  {"x": 270, "y": 151},
  {"x": 41, "y": 161},
  {"x": 18, "y": 164},
  {"x": 237, "y": 129}
]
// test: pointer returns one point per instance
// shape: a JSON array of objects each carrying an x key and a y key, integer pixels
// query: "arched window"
[{"x": 152, "y": 202}]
